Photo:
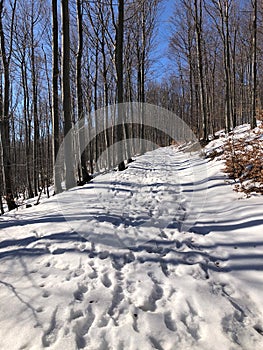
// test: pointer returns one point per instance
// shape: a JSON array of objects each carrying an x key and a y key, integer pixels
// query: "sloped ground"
[{"x": 162, "y": 256}]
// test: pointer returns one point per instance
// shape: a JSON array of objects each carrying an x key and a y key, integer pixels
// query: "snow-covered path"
[{"x": 162, "y": 256}]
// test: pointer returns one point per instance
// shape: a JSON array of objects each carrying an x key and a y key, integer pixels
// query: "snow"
[{"x": 164, "y": 255}]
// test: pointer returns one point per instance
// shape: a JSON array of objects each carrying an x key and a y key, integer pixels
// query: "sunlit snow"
[{"x": 164, "y": 255}]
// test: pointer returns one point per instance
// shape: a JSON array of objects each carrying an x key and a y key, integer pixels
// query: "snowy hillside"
[{"x": 161, "y": 256}]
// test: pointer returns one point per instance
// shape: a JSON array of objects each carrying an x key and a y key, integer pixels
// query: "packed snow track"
[{"x": 161, "y": 256}]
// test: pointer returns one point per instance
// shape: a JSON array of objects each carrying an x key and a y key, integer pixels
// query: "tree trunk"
[
  {"x": 198, "y": 29},
  {"x": 1, "y": 204},
  {"x": 27, "y": 127},
  {"x": 66, "y": 97},
  {"x": 119, "y": 71},
  {"x": 4, "y": 121},
  {"x": 55, "y": 109},
  {"x": 84, "y": 172},
  {"x": 253, "y": 121},
  {"x": 35, "y": 112},
  {"x": 227, "y": 62},
  {"x": 105, "y": 98}
]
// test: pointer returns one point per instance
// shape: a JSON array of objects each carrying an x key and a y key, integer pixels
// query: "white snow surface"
[{"x": 164, "y": 255}]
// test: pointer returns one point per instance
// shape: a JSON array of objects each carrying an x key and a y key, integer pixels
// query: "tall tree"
[
  {"x": 119, "y": 26},
  {"x": 34, "y": 17},
  {"x": 83, "y": 161},
  {"x": 119, "y": 50},
  {"x": 55, "y": 98},
  {"x": 198, "y": 18},
  {"x": 5, "y": 112},
  {"x": 222, "y": 10},
  {"x": 66, "y": 97},
  {"x": 253, "y": 121}
]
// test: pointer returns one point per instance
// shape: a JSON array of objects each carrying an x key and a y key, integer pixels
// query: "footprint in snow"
[
  {"x": 81, "y": 247},
  {"x": 78, "y": 294},
  {"x": 191, "y": 321},
  {"x": 46, "y": 294},
  {"x": 155, "y": 295},
  {"x": 103, "y": 321},
  {"x": 258, "y": 328},
  {"x": 192, "y": 258},
  {"x": 169, "y": 323},
  {"x": 93, "y": 274},
  {"x": 103, "y": 255},
  {"x": 82, "y": 327},
  {"x": 106, "y": 280},
  {"x": 78, "y": 272},
  {"x": 74, "y": 314},
  {"x": 50, "y": 335},
  {"x": 155, "y": 343},
  {"x": 117, "y": 298},
  {"x": 165, "y": 269}
]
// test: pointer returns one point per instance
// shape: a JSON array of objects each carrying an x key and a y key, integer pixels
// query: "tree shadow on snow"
[{"x": 161, "y": 252}]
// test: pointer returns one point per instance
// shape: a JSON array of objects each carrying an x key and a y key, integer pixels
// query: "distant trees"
[
  {"x": 53, "y": 77},
  {"x": 63, "y": 60},
  {"x": 226, "y": 38}
]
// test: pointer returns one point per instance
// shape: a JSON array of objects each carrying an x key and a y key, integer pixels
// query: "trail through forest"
[{"x": 161, "y": 256}]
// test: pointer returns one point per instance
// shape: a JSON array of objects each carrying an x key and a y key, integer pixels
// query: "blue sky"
[{"x": 162, "y": 65}]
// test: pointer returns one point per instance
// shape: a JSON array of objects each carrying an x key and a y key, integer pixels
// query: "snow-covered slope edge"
[{"x": 162, "y": 256}]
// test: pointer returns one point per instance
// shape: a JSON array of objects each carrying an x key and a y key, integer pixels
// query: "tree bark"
[
  {"x": 83, "y": 162},
  {"x": 27, "y": 125},
  {"x": 35, "y": 109},
  {"x": 55, "y": 109},
  {"x": 4, "y": 121},
  {"x": 66, "y": 97},
  {"x": 119, "y": 72},
  {"x": 198, "y": 29},
  {"x": 253, "y": 121}
]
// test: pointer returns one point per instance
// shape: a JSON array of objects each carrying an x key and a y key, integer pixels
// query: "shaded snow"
[{"x": 161, "y": 256}]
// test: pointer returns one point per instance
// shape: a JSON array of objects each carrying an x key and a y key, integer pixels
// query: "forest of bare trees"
[
  {"x": 62, "y": 60},
  {"x": 216, "y": 49}
]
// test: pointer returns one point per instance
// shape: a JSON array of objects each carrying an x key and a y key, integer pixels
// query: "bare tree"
[
  {"x": 84, "y": 172},
  {"x": 253, "y": 121},
  {"x": 4, "y": 121},
  {"x": 198, "y": 18},
  {"x": 222, "y": 11},
  {"x": 119, "y": 29},
  {"x": 66, "y": 96},
  {"x": 55, "y": 98}
]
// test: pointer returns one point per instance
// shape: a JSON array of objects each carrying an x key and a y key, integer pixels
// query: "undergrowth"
[{"x": 244, "y": 161}]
